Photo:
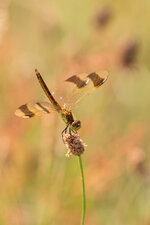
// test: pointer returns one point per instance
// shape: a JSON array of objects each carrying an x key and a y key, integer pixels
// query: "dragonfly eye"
[{"x": 76, "y": 125}]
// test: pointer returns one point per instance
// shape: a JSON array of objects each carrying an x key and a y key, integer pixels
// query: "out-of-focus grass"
[{"x": 38, "y": 184}]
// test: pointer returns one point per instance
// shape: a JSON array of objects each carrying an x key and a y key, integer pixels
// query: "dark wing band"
[
  {"x": 96, "y": 79},
  {"x": 24, "y": 111},
  {"x": 77, "y": 81}
]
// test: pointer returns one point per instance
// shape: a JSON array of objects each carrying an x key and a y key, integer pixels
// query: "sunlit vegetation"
[{"x": 38, "y": 184}]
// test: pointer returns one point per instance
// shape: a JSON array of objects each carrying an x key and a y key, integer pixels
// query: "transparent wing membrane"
[
  {"x": 33, "y": 109},
  {"x": 76, "y": 87},
  {"x": 67, "y": 96}
]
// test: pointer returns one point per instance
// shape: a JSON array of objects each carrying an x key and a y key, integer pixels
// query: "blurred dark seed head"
[
  {"x": 129, "y": 52},
  {"x": 103, "y": 16},
  {"x": 74, "y": 144}
]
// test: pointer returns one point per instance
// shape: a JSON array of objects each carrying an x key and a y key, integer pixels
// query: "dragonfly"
[{"x": 82, "y": 85}]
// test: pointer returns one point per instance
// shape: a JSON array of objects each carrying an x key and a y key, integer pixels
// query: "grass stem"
[{"x": 83, "y": 192}]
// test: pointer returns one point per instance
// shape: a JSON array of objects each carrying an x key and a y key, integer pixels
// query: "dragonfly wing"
[
  {"x": 33, "y": 109},
  {"x": 81, "y": 85}
]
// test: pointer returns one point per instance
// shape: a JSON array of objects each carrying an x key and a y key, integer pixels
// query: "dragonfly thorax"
[{"x": 67, "y": 117}]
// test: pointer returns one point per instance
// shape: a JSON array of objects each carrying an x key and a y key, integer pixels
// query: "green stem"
[{"x": 83, "y": 191}]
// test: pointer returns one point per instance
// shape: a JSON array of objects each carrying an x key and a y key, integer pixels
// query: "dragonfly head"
[{"x": 76, "y": 125}]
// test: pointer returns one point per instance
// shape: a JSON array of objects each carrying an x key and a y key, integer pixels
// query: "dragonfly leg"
[
  {"x": 64, "y": 131},
  {"x": 73, "y": 131}
]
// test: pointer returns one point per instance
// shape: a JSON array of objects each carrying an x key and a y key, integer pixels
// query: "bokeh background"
[{"x": 38, "y": 184}]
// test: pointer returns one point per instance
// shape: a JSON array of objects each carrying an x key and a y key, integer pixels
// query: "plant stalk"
[{"x": 83, "y": 192}]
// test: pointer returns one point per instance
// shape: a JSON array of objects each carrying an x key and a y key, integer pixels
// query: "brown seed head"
[{"x": 74, "y": 144}]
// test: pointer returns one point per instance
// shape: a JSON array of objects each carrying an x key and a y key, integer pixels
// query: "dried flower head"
[{"x": 74, "y": 144}]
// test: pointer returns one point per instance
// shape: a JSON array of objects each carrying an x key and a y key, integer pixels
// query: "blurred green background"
[{"x": 38, "y": 184}]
